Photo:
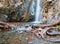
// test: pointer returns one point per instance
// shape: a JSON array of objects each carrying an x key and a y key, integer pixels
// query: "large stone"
[{"x": 15, "y": 10}]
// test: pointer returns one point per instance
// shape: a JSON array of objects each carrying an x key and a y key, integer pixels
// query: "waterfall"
[{"x": 38, "y": 15}]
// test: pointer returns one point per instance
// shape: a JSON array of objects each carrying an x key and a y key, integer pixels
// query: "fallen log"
[
  {"x": 4, "y": 26},
  {"x": 51, "y": 24},
  {"x": 41, "y": 33}
]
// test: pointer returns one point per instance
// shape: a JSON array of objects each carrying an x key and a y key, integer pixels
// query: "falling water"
[{"x": 38, "y": 15}]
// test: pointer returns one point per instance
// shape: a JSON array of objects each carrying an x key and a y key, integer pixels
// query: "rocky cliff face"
[
  {"x": 18, "y": 10},
  {"x": 14, "y": 10},
  {"x": 51, "y": 10}
]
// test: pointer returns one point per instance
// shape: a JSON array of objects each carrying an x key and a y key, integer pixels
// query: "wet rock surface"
[
  {"x": 16, "y": 38},
  {"x": 15, "y": 11},
  {"x": 23, "y": 37}
]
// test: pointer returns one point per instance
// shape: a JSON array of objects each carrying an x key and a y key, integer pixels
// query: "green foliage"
[{"x": 58, "y": 27}]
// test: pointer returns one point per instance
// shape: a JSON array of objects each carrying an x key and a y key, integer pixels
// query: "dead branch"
[{"x": 52, "y": 24}]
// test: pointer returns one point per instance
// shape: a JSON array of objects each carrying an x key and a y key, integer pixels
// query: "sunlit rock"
[{"x": 51, "y": 11}]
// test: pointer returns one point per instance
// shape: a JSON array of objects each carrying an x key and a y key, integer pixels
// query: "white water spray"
[{"x": 38, "y": 15}]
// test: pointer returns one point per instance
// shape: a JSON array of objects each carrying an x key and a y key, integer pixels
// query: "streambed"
[{"x": 21, "y": 38}]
